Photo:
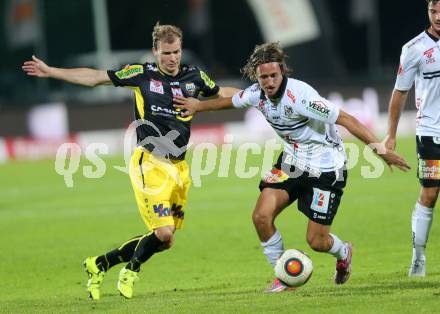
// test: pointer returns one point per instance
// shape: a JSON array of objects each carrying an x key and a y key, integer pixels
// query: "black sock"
[
  {"x": 122, "y": 254},
  {"x": 146, "y": 247}
]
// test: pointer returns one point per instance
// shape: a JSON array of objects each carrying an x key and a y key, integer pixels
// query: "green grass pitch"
[{"x": 216, "y": 265}]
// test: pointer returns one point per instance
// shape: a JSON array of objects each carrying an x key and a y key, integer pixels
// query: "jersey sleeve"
[
  {"x": 409, "y": 63},
  {"x": 246, "y": 98},
  {"x": 318, "y": 108},
  {"x": 208, "y": 87},
  {"x": 128, "y": 75}
]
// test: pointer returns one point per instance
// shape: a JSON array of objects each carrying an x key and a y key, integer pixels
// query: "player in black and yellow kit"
[{"x": 158, "y": 171}]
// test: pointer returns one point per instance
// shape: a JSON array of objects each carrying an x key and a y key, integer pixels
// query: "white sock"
[
  {"x": 273, "y": 248},
  {"x": 339, "y": 249},
  {"x": 421, "y": 224}
]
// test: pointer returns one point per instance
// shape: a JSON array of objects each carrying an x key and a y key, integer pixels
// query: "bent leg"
[
  {"x": 269, "y": 205},
  {"x": 318, "y": 237},
  {"x": 321, "y": 240}
]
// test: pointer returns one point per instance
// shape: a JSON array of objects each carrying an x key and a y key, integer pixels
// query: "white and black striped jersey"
[
  {"x": 304, "y": 120},
  {"x": 420, "y": 62}
]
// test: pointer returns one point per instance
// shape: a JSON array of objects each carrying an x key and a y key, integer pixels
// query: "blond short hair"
[{"x": 166, "y": 33}]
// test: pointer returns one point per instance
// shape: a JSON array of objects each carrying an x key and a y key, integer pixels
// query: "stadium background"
[{"x": 357, "y": 46}]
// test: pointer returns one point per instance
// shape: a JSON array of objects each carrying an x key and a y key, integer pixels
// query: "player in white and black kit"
[
  {"x": 420, "y": 63},
  {"x": 311, "y": 168}
]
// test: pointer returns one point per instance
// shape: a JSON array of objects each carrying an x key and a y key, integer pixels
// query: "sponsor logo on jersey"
[
  {"x": 190, "y": 89},
  {"x": 175, "y": 83},
  {"x": 331, "y": 141},
  {"x": 169, "y": 111},
  {"x": 156, "y": 86},
  {"x": 176, "y": 211},
  {"x": 161, "y": 211},
  {"x": 428, "y": 54},
  {"x": 176, "y": 91},
  {"x": 275, "y": 176},
  {"x": 429, "y": 169},
  {"x": 210, "y": 83},
  {"x": 129, "y": 71},
  {"x": 319, "y": 108},
  {"x": 291, "y": 96},
  {"x": 320, "y": 200}
]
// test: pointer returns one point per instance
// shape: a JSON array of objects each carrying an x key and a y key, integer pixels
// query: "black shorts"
[
  {"x": 428, "y": 156},
  {"x": 318, "y": 197}
]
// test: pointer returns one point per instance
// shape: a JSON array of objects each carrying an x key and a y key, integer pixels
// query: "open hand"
[
  {"x": 390, "y": 157},
  {"x": 36, "y": 67}
]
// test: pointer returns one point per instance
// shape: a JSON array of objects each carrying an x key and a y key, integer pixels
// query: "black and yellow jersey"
[{"x": 161, "y": 128}]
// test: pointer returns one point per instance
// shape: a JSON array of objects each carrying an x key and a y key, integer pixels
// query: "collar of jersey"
[
  {"x": 167, "y": 75},
  {"x": 430, "y": 35}
]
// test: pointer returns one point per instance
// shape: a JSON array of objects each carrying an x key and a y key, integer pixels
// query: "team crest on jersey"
[
  {"x": 190, "y": 88},
  {"x": 129, "y": 71},
  {"x": 176, "y": 91},
  {"x": 288, "y": 111},
  {"x": 156, "y": 86},
  {"x": 320, "y": 200}
]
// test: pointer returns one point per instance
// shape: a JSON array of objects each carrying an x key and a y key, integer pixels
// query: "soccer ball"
[{"x": 294, "y": 268}]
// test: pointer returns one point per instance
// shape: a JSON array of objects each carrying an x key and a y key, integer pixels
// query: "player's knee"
[
  {"x": 261, "y": 218},
  {"x": 165, "y": 236}
]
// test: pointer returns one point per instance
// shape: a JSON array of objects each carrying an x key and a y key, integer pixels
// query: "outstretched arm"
[
  {"x": 228, "y": 91},
  {"x": 193, "y": 105},
  {"x": 361, "y": 132},
  {"x": 81, "y": 76},
  {"x": 397, "y": 102}
]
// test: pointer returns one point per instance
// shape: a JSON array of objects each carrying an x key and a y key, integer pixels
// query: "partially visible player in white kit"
[
  {"x": 311, "y": 168},
  {"x": 420, "y": 62}
]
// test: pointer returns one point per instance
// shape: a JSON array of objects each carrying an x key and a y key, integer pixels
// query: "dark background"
[{"x": 339, "y": 59}]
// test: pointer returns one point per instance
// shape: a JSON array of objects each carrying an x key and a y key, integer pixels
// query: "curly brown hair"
[
  {"x": 166, "y": 33},
  {"x": 432, "y": 1},
  {"x": 265, "y": 53}
]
